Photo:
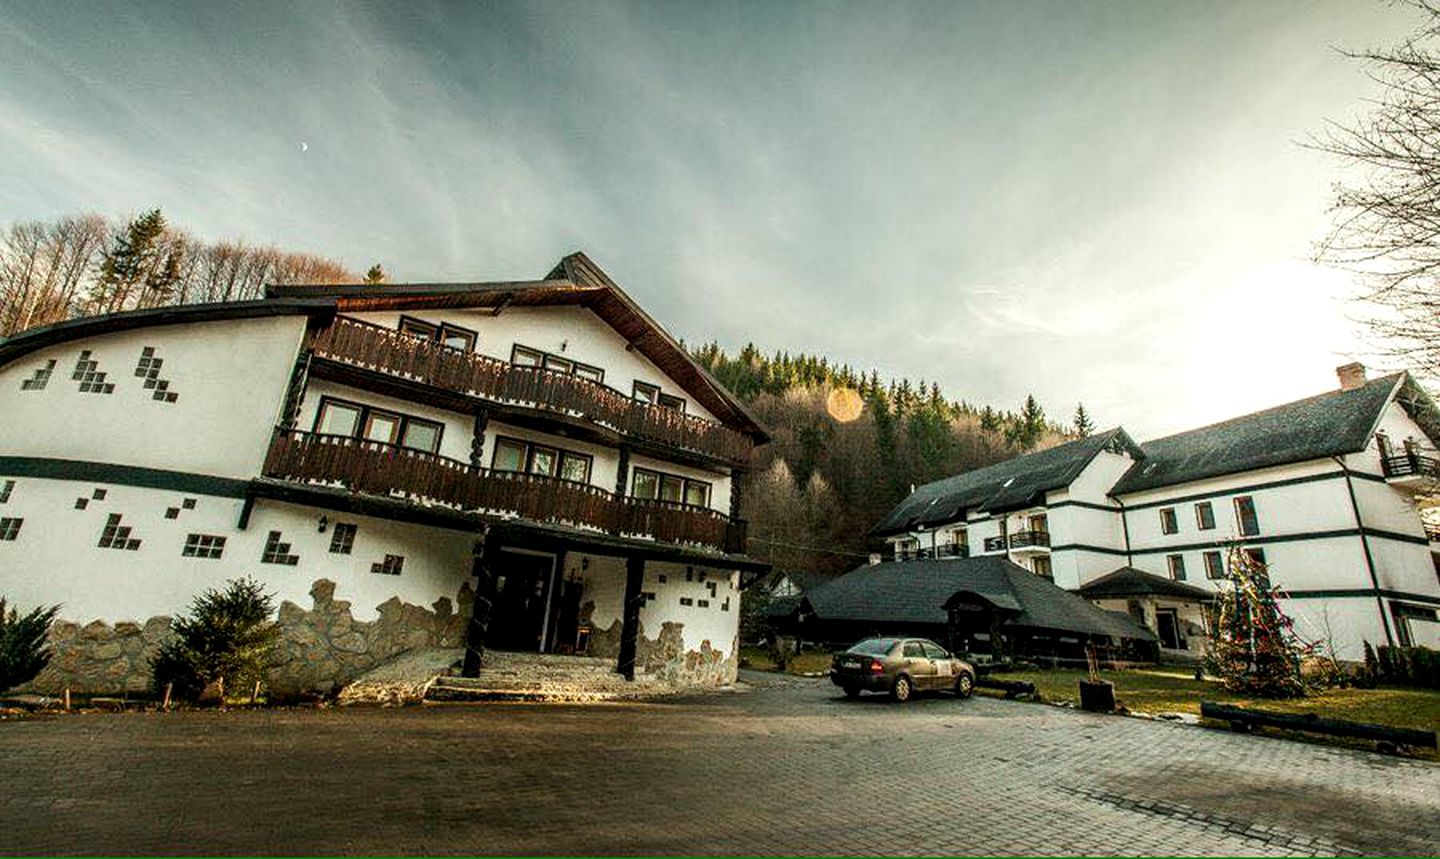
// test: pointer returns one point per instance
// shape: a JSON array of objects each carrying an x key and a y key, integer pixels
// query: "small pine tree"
[
  {"x": 1253, "y": 646},
  {"x": 1083, "y": 425},
  {"x": 130, "y": 263},
  {"x": 376, "y": 274},
  {"x": 227, "y": 635},
  {"x": 23, "y": 649}
]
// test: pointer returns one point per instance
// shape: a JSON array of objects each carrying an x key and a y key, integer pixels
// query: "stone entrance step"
[{"x": 541, "y": 677}]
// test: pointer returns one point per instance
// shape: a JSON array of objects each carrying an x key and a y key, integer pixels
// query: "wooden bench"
[{"x": 1387, "y": 738}]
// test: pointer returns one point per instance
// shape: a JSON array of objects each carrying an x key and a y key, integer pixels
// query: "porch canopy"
[{"x": 559, "y": 539}]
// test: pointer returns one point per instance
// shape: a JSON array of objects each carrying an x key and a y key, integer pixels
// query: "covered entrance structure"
[{"x": 648, "y": 606}]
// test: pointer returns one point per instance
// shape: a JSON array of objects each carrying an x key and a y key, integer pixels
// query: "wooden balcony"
[
  {"x": 392, "y": 472},
  {"x": 393, "y": 353},
  {"x": 1413, "y": 471},
  {"x": 1030, "y": 541}
]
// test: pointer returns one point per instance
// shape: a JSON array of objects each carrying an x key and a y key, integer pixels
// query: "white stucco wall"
[
  {"x": 604, "y": 579},
  {"x": 230, "y": 378},
  {"x": 571, "y": 332},
  {"x": 56, "y": 558}
]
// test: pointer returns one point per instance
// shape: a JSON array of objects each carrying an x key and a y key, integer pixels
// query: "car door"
[
  {"x": 915, "y": 663},
  {"x": 943, "y": 662}
]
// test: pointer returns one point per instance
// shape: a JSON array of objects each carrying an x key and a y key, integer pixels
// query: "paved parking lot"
[{"x": 788, "y": 768}]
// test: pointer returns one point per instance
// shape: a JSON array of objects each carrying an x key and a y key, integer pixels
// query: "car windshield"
[{"x": 874, "y": 646}]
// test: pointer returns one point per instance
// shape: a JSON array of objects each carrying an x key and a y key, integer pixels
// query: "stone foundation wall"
[
  {"x": 665, "y": 656},
  {"x": 320, "y": 649}
]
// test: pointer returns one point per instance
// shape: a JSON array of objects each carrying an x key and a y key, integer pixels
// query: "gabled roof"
[
  {"x": 1330, "y": 424},
  {"x": 576, "y": 280},
  {"x": 1010, "y": 485},
  {"x": 919, "y": 591},
  {"x": 1129, "y": 582}
]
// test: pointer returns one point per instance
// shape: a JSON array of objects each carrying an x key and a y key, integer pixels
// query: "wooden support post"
[
  {"x": 165, "y": 705},
  {"x": 737, "y": 476},
  {"x": 477, "y": 440},
  {"x": 622, "y": 472},
  {"x": 630, "y": 623},
  {"x": 479, "y": 626}
]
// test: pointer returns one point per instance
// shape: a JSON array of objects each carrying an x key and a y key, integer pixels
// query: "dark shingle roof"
[
  {"x": 918, "y": 591},
  {"x": 1330, "y": 424},
  {"x": 1009, "y": 485},
  {"x": 1128, "y": 581}
]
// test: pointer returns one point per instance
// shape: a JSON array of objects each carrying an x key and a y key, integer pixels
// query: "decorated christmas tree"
[{"x": 1253, "y": 645}]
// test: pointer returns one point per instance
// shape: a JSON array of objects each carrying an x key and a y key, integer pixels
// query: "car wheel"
[
  {"x": 902, "y": 689},
  {"x": 852, "y": 691},
  {"x": 964, "y": 685}
]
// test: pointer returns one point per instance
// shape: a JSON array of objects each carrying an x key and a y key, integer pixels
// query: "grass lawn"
[
  {"x": 1162, "y": 690},
  {"x": 809, "y": 662}
]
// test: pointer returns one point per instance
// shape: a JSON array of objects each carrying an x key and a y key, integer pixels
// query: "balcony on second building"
[
  {"x": 394, "y": 473},
  {"x": 1030, "y": 543},
  {"x": 362, "y": 353},
  {"x": 1411, "y": 470}
]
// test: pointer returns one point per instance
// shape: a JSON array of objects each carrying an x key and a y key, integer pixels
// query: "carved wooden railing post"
[{"x": 477, "y": 441}]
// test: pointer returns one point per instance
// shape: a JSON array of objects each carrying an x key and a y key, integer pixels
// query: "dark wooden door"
[
  {"x": 1168, "y": 628},
  {"x": 522, "y": 594}
]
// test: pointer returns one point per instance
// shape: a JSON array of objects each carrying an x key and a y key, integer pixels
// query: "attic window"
[
  {"x": 87, "y": 373},
  {"x": 148, "y": 368},
  {"x": 41, "y": 378}
]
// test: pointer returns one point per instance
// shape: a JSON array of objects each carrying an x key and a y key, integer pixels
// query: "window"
[
  {"x": 1177, "y": 567},
  {"x": 1040, "y": 524},
  {"x": 524, "y": 356},
  {"x": 1245, "y": 516},
  {"x": 391, "y": 566},
  {"x": 670, "y": 401},
  {"x": 653, "y": 485},
  {"x": 913, "y": 650},
  {"x": 1169, "y": 524},
  {"x": 203, "y": 546},
  {"x": 5, "y": 490},
  {"x": 418, "y": 328},
  {"x": 513, "y": 454},
  {"x": 1205, "y": 516},
  {"x": 117, "y": 536},
  {"x": 338, "y": 417},
  {"x": 276, "y": 552},
  {"x": 646, "y": 393},
  {"x": 934, "y": 651},
  {"x": 10, "y": 528},
  {"x": 687, "y": 601},
  {"x": 1256, "y": 557},
  {"x": 1042, "y": 568},
  {"x": 148, "y": 368},
  {"x": 41, "y": 378},
  {"x": 1214, "y": 566},
  {"x": 422, "y": 435},
  {"x": 457, "y": 338},
  {"x": 343, "y": 539}
]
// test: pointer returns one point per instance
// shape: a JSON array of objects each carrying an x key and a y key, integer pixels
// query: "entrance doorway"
[
  {"x": 1167, "y": 627},
  {"x": 524, "y": 584}
]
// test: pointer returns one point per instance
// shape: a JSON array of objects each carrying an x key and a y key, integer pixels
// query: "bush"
[
  {"x": 228, "y": 636},
  {"x": 1406, "y": 666},
  {"x": 23, "y": 649}
]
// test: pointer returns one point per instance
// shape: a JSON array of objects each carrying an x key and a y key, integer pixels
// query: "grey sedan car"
[{"x": 901, "y": 667}]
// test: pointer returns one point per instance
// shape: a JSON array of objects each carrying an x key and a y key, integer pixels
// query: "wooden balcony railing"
[
  {"x": 390, "y": 471},
  {"x": 1411, "y": 465},
  {"x": 388, "y": 351},
  {"x": 1029, "y": 539}
]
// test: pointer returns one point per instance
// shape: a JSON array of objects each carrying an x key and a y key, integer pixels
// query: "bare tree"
[{"x": 1387, "y": 217}]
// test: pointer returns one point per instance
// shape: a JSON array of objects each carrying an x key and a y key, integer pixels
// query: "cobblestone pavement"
[{"x": 789, "y": 768}]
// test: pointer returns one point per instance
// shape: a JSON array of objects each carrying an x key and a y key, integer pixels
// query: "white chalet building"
[
  {"x": 1323, "y": 490},
  {"x": 385, "y": 450}
]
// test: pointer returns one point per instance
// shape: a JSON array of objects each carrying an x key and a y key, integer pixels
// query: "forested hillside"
[
  {"x": 848, "y": 446},
  {"x": 82, "y": 265}
]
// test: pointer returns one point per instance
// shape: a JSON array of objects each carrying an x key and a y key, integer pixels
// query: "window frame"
[
  {"x": 685, "y": 484},
  {"x": 527, "y": 459},
  {"x": 411, "y": 326},
  {"x": 1241, "y": 502},
  {"x": 1176, "y": 565},
  {"x": 1169, "y": 521},
  {"x": 542, "y": 360},
  {"x": 342, "y": 538},
  {"x": 654, "y": 390},
  {"x": 670, "y": 401},
  {"x": 1214, "y": 572},
  {"x": 362, "y": 422},
  {"x": 1204, "y": 516}
]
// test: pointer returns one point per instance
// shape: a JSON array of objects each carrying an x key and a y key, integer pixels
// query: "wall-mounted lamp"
[
  {"x": 564, "y": 344},
  {"x": 324, "y": 523}
]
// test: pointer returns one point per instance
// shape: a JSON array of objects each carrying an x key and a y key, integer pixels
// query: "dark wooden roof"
[
  {"x": 1330, "y": 424},
  {"x": 1130, "y": 582},
  {"x": 1010, "y": 485},
  {"x": 920, "y": 591},
  {"x": 575, "y": 281}
]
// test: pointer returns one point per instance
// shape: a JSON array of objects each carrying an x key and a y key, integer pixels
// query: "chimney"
[{"x": 1351, "y": 375}]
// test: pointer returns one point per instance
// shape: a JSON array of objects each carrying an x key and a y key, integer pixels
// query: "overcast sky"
[{"x": 1101, "y": 202}]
